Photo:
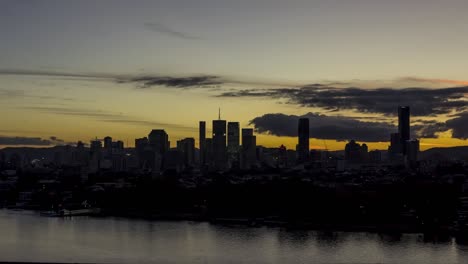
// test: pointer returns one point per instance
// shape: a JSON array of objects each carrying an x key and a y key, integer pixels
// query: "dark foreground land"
[{"x": 378, "y": 200}]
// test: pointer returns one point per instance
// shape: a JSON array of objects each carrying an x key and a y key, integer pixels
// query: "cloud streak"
[
  {"x": 9, "y": 94},
  {"x": 436, "y": 81},
  {"x": 141, "y": 81},
  {"x": 175, "y": 82},
  {"x": 164, "y": 29},
  {"x": 75, "y": 112},
  {"x": 56, "y": 74},
  {"x": 153, "y": 124},
  {"x": 108, "y": 117}
]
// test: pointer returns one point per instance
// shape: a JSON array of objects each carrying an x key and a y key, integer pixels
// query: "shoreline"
[{"x": 391, "y": 229}]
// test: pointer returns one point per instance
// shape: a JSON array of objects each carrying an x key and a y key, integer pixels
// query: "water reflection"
[{"x": 120, "y": 240}]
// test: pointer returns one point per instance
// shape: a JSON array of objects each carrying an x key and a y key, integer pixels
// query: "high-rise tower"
[
  {"x": 303, "y": 140},
  {"x": 219, "y": 143},
  {"x": 404, "y": 125},
  {"x": 202, "y": 142},
  {"x": 233, "y": 145}
]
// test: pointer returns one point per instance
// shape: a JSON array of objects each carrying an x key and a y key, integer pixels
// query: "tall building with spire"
[{"x": 219, "y": 143}]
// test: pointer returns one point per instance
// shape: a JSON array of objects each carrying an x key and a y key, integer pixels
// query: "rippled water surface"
[{"x": 27, "y": 236}]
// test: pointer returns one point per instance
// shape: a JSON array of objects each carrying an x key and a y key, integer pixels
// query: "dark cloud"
[
  {"x": 164, "y": 29},
  {"x": 145, "y": 81},
  {"x": 324, "y": 127},
  {"x": 345, "y": 128},
  {"x": 176, "y": 82},
  {"x": 428, "y": 129},
  {"x": 459, "y": 126},
  {"x": 31, "y": 141},
  {"x": 423, "y": 101},
  {"x": 56, "y": 139}
]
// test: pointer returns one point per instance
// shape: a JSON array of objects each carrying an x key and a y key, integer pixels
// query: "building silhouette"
[
  {"x": 303, "y": 140},
  {"x": 412, "y": 151},
  {"x": 233, "y": 144},
  {"x": 209, "y": 153},
  {"x": 249, "y": 149},
  {"x": 202, "y": 141},
  {"x": 375, "y": 156},
  {"x": 158, "y": 140},
  {"x": 404, "y": 126},
  {"x": 95, "y": 155},
  {"x": 353, "y": 152},
  {"x": 108, "y": 142},
  {"x": 395, "y": 150},
  {"x": 219, "y": 144},
  {"x": 187, "y": 147}
]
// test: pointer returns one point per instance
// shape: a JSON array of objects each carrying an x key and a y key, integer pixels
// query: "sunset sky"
[{"x": 76, "y": 70}]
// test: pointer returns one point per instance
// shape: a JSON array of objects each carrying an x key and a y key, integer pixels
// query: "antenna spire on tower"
[{"x": 219, "y": 113}]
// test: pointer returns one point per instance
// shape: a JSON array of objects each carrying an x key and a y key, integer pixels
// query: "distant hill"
[
  {"x": 33, "y": 153},
  {"x": 452, "y": 153}
]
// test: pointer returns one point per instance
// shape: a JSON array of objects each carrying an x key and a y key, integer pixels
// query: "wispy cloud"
[
  {"x": 141, "y": 81},
  {"x": 56, "y": 74},
  {"x": 151, "y": 124},
  {"x": 164, "y": 29},
  {"x": 176, "y": 82},
  {"x": 6, "y": 94},
  {"x": 109, "y": 117},
  {"x": 75, "y": 112},
  {"x": 435, "y": 81}
]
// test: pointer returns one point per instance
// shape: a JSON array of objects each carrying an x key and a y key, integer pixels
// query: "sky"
[{"x": 76, "y": 70}]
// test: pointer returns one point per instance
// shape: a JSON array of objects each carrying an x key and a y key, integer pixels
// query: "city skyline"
[
  {"x": 246, "y": 131},
  {"x": 126, "y": 69}
]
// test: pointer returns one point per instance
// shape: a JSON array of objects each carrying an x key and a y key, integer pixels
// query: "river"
[{"x": 27, "y": 236}]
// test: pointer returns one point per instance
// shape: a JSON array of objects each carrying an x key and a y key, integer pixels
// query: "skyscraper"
[
  {"x": 404, "y": 125},
  {"x": 412, "y": 151},
  {"x": 233, "y": 146},
  {"x": 249, "y": 148},
  {"x": 187, "y": 147},
  {"x": 303, "y": 140},
  {"x": 233, "y": 135},
  {"x": 95, "y": 155},
  {"x": 107, "y": 142},
  {"x": 202, "y": 142},
  {"x": 159, "y": 141},
  {"x": 219, "y": 144}
]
